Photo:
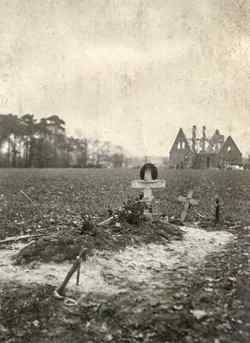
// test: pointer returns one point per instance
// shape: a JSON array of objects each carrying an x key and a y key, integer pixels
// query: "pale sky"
[{"x": 129, "y": 71}]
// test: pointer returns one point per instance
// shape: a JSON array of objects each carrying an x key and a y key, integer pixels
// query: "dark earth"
[{"x": 219, "y": 290}]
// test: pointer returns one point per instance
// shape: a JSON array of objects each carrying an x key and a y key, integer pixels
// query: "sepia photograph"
[{"x": 125, "y": 171}]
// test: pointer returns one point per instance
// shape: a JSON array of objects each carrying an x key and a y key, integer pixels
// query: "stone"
[{"x": 199, "y": 314}]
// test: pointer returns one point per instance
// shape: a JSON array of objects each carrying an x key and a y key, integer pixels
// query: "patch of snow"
[{"x": 110, "y": 273}]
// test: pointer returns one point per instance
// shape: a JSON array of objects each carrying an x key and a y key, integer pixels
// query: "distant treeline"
[{"x": 26, "y": 142}]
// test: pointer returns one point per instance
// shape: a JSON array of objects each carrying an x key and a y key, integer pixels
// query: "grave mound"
[{"x": 66, "y": 244}]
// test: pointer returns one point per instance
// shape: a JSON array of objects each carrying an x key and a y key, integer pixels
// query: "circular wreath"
[{"x": 152, "y": 167}]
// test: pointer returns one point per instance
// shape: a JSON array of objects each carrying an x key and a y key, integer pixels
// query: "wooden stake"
[
  {"x": 60, "y": 291},
  {"x": 217, "y": 210},
  {"x": 78, "y": 274}
]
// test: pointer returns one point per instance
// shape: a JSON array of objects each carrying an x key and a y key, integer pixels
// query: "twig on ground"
[{"x": 21, "y": 238}]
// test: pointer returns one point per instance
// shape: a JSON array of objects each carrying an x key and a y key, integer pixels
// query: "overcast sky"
[{"x": 129, "y": 71}]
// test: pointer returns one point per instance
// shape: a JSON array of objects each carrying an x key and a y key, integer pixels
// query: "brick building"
[{"x": 204, "y": 152}]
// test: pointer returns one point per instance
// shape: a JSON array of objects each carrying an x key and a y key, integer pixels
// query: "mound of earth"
[
  {"x": 66, "y": 244},
  {"x": 208, "y": 306}
]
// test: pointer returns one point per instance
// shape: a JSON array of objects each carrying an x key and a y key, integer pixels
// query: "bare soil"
[
  {"x": 137, "y": 295},
  {"x": 160, "y": 298}
]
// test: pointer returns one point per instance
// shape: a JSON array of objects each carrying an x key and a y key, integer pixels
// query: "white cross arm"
[
  {"x": 182, "y": 198},
  {"x": 193, "y": 202},
  {"x": 140, "y": 184}
]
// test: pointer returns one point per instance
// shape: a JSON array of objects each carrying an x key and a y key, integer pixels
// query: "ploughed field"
[
  {"x": 60, "y": 197},
  {"x": 148, "y": 284}
]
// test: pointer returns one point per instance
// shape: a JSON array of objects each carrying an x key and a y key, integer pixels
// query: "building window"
[{"x": 181, "y": 145}]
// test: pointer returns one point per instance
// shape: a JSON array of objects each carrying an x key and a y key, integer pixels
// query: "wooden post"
[
  {"x": 217, "y": 210},
  {"x": 60, "y": 291}
]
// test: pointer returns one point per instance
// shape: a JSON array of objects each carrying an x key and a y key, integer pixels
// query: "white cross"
[
  {"x": 188, "y": 201},
  {"x": 147, "y": 185}
]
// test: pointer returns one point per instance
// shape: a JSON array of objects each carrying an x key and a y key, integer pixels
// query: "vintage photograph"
[{"x": 125, "y": 171}]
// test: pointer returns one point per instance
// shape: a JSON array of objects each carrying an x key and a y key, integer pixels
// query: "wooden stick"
[
  {"x": 106, "y": 221},
  {"x": 32, "y": 202},
  {"x": 20, "y": 238},
  {"x": 60, "y": 291},
  {"x": 27, "y": 197}
]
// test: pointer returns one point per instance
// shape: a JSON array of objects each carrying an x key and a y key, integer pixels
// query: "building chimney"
[{"x": 194, "y": 129}]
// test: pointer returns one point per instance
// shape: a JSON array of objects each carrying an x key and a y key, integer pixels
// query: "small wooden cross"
[
  {"x": 147, "y": 184},
  {"x": 188, "y": 202}
]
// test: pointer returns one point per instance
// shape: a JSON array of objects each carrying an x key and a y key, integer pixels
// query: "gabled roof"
[
  {"x": 229, "y": 143},
  {"x": 217, "y": 137},
  {"x": 181, "y": 137}
]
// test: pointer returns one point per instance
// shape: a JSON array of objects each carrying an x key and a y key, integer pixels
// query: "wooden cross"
[
  {"x": 188, "y": 202},
  {"x": 147, "y": 185}
]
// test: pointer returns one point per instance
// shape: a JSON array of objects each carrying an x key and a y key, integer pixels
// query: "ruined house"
[
  {"x": 181, "y": 154},
  {"x": 204, "y": 152}
]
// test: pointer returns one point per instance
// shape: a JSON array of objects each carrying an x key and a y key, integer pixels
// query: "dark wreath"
[{"x": 152, "y": 167}]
